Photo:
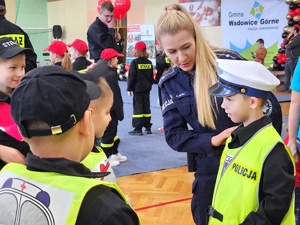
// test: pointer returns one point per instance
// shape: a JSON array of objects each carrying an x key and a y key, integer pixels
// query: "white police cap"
[{"x": 244, "y": 77}]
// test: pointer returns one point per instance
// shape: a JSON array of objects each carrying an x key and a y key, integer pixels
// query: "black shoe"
[
  {"x": 148, "y": 131},
  {"x": 284, "y": 89},
  {"x": 136, "y": 132}
]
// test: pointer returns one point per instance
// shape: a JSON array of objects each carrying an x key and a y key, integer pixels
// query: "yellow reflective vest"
[
  {"x": 236, "y": 192},
  {"x": 52, "y": 197},
  {"x": 98, "y": 162}
]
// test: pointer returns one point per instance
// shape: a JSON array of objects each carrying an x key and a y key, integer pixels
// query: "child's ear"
[
  {"x": 254, "y": 102},
  {"x": 85, "y": 123},
  {"x": 92, "y": 112}
]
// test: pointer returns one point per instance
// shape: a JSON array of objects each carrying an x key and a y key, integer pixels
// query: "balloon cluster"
[
  {"x": 293, "y": 18},
  {"x": 121, "y": 8},
  {"x": 122, "y": 71}
]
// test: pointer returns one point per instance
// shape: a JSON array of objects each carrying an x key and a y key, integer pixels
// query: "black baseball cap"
[
  {"x": 10, "y": 48},
  {"x": 2, "y": 2},
  {"x": 51, "y": 95},
  {"x": 93, "y": 90}
]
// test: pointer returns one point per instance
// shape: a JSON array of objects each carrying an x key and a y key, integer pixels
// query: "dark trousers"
[
  {"x": 141, "y": 110},
  {"x": 203, "y": 188},
  {"x": 110, "y": 140},
  {"x": 289, "y": 71}
]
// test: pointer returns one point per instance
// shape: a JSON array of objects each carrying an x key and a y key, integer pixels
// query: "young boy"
[
  {"x": 107, "y": 67},
  {"x": 78, "y": 51},
  {"x": 139, "y": 83},
  {"x": 101, "y": 102},
  {"x": 261, "y": 52},
  {"x": 256, "y": 177},
  {"x": 12, "y": 67},
  {"x": 51, "y": 109}
]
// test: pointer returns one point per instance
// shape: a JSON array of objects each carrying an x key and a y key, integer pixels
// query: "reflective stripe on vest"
[
  {"x": 230, "y": 198},
  {"x": 58, "y": 196},
  {"x": 97, "y": 162},
  {"x": 19, "y": 38}
]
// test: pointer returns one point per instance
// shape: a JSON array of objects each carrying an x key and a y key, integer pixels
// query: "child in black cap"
[
  {"x": 12, "y": 64},
  {"x": 51, "y": 109},
  {"x": 256, "y": 177}
]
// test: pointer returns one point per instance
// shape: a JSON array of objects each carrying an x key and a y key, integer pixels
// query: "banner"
[
  {"x": 245, "y": 21},
  {"x": 140, "y": 32},
  {"x": 205, "y": 12}
]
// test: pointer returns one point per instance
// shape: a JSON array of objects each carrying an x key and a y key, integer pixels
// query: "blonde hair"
[
  {"x": 106, "y": 93},
  {"x": 175, "y": 19},
  {"x": 66, "y": 62},
  {"x": 141, "y": 54}
]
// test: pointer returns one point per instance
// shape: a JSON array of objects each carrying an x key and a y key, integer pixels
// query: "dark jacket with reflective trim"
[
  {"x": 7, "y": 27},
  {"x": 140, "y": 80}
]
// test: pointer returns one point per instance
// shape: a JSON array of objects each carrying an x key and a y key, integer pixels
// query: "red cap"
[
  {"x": 58, "y": 47},
  {"x": 79, "y": 45},
  {"x": 140, "y": 46},
  {"x": 109, "y": 53}
]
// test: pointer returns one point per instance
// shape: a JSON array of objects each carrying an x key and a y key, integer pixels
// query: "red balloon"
[
  {"x": 282, "y": 45},
  {"x": 297, "y": 11},
  {"x": 122, "y": 6},
  {"x": 279, "y": 61},
  {"x": 292, "y": 13},
  {"x": 118, "y": 15},
  {"x": 100, "y": 3}
]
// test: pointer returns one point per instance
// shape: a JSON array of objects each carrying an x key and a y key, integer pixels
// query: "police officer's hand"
[
  {"x": 8, "y": 154},
  {"x": 220, "y": 139}
]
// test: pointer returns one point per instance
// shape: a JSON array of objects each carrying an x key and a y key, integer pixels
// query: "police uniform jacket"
[
  {"x": 183, "y": 132},
  {"x": 81, "y": 63},
  {"x": 100, "y": 37},
  {"x": 101, "y": 69},
  {"x": 8, "y": 28},
  {"x": 277, "y": 180},
  {"x": 140, "y": 80},
  {"x": 101, "y": 205},
  {"x": 8, "y": 140}
]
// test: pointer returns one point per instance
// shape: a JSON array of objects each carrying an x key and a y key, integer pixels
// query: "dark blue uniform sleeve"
[
  {"x": 275, "y": 190},
  {"x": 178, "y": 134},
  {"x": 131, "y": 80}
]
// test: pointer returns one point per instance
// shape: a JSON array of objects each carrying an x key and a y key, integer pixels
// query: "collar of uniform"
[
  {"x": 242, "y": 134},
  {"x": 60, "y": 165}
]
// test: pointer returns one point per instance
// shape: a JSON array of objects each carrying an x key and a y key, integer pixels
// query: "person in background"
[
  {"x": 255, "y": 158},
  {"x": 139, "y": 84},
  {"x": 78, "y": 51},
  {"x": 101, "y": 33},
  {"x": 12, "y": 66},
  {"x": 261, "y": 52},
  {"x": 193, "y": 121},
  {"x": 162, "y": 65},
  {"x": 58, "y": 127},
  {"x": 120, "y": 45},
  {"x": 294, "y": 134},
  {"x": 9, "y": 29},
  {"x": 292, "y": 52},
  {"x": 59, "y": 55},
  {"x": 107, "y": 67},
  {"x": 101, "y": 101}
]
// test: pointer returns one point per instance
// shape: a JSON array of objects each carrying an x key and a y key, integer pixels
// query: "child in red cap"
[
  {"x": 107, "y": 67},
  {"x": 59, "y": 54},
  {"x": 78, "y": 51},
  {"x": 140, "y": 80}
]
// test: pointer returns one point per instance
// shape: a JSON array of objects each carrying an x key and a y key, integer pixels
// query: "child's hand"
[
  {"x": 8, "y": 154},
  {"x": 220, "y": 139},
  {"x": 129, "y": 93},
  {"x": 129, "y": 200}
]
